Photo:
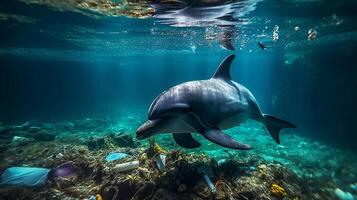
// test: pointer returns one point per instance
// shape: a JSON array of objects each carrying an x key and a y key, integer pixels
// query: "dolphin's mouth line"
[
  {"x": 147, "y": 129},
  {"x": 140, "y": 137}
]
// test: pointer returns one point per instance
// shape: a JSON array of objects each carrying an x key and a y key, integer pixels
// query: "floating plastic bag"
[{"x": 24, "y": 176}]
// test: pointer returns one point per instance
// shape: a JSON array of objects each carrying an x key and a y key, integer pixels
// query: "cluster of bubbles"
[{"x": 276, "y": 33}]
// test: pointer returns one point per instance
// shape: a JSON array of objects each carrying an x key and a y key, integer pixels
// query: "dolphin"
[{"x": 207, "y": 107}]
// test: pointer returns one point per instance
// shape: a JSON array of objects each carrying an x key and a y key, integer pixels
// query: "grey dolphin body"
[{"x": 207, "y": 107}]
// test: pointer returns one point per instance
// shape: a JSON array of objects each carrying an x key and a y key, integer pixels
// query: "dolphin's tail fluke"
[{"x": 274, "y": 125}]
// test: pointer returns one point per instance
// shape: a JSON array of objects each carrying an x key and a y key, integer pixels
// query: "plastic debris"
[
  {"x": 65, "y": 169},
  {"x": 115, "y": 156},
  {"x": 127, "y": 166},
  {"x": 24, "y": 176},
  {"x": 343, "y": 195},
  {"x": 96, "y": 197},
  {"x": 21, "y": 141},
  {"x": 161, "y": 162},
  {"x": 59, "y": 155},
  {"x": 354, "y": 186},
  {"x": 17, "y": 138},
  {"x": 92, "y": 198},
  {"x": 210, "y": 184},
  {"x": 221, "y": 161},
  {"x": 336, "y": 20},
  {"x": 311, "y": 34}
]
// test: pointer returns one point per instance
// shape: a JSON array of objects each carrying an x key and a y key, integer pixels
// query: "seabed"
[{"x": 299, "y": 168}]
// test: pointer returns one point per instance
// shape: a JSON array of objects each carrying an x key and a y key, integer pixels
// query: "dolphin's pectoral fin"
[
  {"x": 186, "y": 140},
  {"x": 218, "y": 137}
]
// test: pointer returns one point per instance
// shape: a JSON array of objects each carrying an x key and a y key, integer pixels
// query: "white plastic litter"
[
  {"x": 343, "y": 195},
  {"x": 161, "y": 162},
  {"x": 210, "y": 184},
  {"x": 127, "y": 166}
]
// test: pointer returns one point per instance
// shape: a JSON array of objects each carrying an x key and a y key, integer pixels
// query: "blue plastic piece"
[
  {"x": 115, "y": 156},
  {"x": 24, "y": 176},
  {"x": 92, "y": 197},
  {"x": 343, "y": 195},
  {"x": 354, "y": 186},
  {"x": 220, "y": 162}
]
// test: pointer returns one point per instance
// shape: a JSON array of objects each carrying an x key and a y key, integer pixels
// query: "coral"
[
  {"x": 224, "y": 188},
  {"x": 237, "y": 175},
  {"x": 124, "y": 140},
  {"x": 5, "y": 132},
  {"x": 95, "y": 143},
  {"x": 154, "y": 148},
  {"x": 32, "y": 129},
  {"x": 98, "y": 197},
  {"x": 182, "y": 188},
  {"x": 42, "y": 135},
  {"x": 181, "y": 179},
  {"x": 111, "y": 141},
  {"x": 278, "y": 191},
  {"x": 158, "y": 149},
  {"x": 145, "y": 192}
]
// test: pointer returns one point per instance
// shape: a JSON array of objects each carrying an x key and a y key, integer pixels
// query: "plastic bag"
[
  {"x": 115, "y": 156},
  {"x": 24, "y": 176}
]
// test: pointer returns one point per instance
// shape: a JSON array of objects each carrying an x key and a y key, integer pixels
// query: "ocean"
[{"x": 78, "y": 79}]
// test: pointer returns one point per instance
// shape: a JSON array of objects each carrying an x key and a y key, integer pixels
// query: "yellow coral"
[
  {"x": 98, "y": 197},
  {"x": 158, "y": 149},
  {"x": 278, "y": 191}
]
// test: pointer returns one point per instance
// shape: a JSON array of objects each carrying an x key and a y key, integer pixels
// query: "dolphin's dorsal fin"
[{"x": 223, "y": 71}]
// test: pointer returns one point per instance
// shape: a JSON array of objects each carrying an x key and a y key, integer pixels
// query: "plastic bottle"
[{"x": 122, "y": 167}]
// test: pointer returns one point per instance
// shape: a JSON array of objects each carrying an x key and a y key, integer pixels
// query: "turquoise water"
[{"x": 78, "y": 77}]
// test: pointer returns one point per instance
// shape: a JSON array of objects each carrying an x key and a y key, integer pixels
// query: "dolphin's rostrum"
[{"x": 207, "y": 107}]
